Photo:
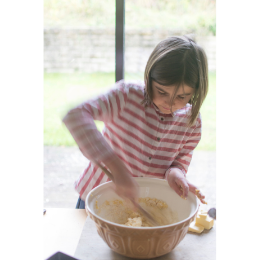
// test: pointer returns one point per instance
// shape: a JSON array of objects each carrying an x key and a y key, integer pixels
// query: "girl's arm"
[
  {"x": 80, "y": 123},
  {"x": 176, "y": 174}
]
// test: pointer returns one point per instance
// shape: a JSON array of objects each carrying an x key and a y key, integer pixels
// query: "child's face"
[{"x": 162, "y": 96}]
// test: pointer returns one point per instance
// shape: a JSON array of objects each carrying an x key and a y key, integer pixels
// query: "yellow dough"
[
  {"x": 134, "y": 222},
  {"x": 119, "y": 212}
]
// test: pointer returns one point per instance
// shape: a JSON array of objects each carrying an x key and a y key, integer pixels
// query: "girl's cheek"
[{"x": 181, "y": 103}]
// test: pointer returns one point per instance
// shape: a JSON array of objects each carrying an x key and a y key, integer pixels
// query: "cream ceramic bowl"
[{"x": 143, "y": 242}]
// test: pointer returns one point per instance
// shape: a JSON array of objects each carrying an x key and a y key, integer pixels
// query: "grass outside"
[
  {"x": 193, "y": 16},
  {"x": 64, "y": 91}
]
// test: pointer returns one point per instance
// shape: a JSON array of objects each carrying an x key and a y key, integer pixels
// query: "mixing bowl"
[{"x": 143, "y": 242}]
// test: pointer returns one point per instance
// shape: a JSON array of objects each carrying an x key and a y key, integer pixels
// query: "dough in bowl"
[{"x": 119, "y": 212}]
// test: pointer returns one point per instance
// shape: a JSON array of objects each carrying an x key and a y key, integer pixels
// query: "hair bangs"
[{"x": 166, "y": 73}]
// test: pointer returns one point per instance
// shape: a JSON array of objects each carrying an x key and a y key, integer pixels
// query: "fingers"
[
  {"x": 197, "y": 192},
  {"x": 200, "y": 196},
  {"x": 127, "y": 193},
  {"x": 180, "y": 187},
  {"x": 183, "y": 186},
  {"x": 126, "y": 186},
  {"x": 176, "y": 188}
]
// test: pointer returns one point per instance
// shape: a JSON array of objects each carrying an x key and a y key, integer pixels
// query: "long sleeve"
[
  {"x": 183, "y": 159},
  {"x": 80, "y": 122},
  {"x": 148, "y": 141}
]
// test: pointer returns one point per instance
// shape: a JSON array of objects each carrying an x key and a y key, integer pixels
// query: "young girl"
[{"x": 151, "y": 128}]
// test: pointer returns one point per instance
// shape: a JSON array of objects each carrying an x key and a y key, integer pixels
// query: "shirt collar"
[{"x": 178, "y": 110}]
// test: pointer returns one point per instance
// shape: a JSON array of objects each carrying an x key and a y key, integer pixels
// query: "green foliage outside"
[
  {"x": 191, "y": 16},
  {"x": 64, "y": 91}
]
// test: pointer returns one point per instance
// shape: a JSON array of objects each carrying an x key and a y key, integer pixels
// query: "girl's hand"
[
  {"x": 182, "y": 186},
  {"x": 124, "y": 184},
  {"x": 126, "y": 187}
]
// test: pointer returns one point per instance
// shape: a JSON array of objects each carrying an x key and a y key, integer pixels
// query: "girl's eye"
[
  {"x": 180, "y": 97},
  {"x": 162, "y": 93}
]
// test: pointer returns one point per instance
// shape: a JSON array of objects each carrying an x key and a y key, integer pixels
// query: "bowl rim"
[{"x": 87, "y": 208}]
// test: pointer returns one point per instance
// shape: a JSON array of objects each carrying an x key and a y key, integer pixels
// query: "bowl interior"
[{"x": 149, "y": 187}]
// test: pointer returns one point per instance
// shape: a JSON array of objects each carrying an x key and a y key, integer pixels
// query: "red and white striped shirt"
[{"x": 148, "y": 141}]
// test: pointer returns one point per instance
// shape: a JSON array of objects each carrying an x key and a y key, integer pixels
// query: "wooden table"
[
  {"x": 62, "y": 229},
  {"x": 71, "y": 232}
]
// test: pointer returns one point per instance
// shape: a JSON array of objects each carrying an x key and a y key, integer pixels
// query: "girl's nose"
[{"x": 169, "y": 104}]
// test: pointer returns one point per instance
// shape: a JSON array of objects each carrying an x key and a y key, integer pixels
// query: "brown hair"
[{"x": 176, "y": 61}]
